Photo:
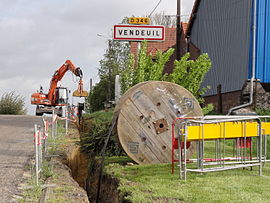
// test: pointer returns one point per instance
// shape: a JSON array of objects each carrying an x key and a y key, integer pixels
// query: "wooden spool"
[{"x": 145, "y": 115}]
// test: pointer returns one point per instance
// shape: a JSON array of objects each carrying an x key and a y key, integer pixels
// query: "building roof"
[
  {"x": 170, "y": 41},
  {"x": 192, "y": 17},
  {"x": 152, "y": 47}
]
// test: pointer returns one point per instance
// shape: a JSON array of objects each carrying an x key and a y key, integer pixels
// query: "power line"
[{"x": 155, "y": 8}]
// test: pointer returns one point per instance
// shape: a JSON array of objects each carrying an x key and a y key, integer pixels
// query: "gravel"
[{"x": 16, "y": 147}]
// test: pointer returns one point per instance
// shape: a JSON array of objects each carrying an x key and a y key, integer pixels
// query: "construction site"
[{"x": 174, "y": 108}]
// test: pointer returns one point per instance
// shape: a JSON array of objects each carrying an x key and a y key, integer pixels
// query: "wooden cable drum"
[{"x": 145, "y": 115}]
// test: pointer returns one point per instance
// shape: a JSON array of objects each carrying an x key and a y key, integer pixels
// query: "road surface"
[{"x": 16, "y": 147}]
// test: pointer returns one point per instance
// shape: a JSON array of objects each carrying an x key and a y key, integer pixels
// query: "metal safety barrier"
[{"x": 218, "y": 130}]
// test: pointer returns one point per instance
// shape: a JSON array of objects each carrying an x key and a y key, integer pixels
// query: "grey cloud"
[{"x": 38, "y": 36}]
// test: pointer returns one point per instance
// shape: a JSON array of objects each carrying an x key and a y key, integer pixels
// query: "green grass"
[
  {"x": 151, "y": 183},
  {"x": 55, "y": 143},
  {"x": 122, "y": 160},
  {"x": 210, "y": 148},
  {"x": 155, "y": 183},
  {"x": 34, "y": 192},
  {"x": 100, "y": 115}
]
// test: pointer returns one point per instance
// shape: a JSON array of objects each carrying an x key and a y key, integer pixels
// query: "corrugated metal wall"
[
  {"x": 263, "y": 41},
  {"x": 222, "y": 29}
]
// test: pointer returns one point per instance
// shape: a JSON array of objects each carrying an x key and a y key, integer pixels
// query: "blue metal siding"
[
  {"x": 222, "y": 29},
  {"x": 266, "y": 77},
  {"x": 263, "y": 42}
]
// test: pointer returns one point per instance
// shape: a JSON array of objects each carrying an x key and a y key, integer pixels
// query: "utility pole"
[
  {"x": 91, "y": 85},
  {"x": 178, "y": 30}
]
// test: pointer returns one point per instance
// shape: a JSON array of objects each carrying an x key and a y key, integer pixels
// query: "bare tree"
[{"x": 163, "y": 19}]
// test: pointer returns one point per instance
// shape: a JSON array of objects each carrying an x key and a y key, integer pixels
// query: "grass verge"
[
  {"x": 54, "y": 173},
  {"x": 155, "y": 183}
]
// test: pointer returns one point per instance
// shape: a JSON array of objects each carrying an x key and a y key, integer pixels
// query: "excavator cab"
[
  {"x": 80, "y": 92},
  {"x": 61, "y": 95}
]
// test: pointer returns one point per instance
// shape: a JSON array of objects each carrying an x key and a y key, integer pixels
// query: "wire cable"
[
  {"x": 113, "y": 123},
  {"x": 155, "y": 8}
]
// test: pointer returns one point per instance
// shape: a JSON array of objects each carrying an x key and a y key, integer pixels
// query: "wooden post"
[
  {"x": 255, "y": 94},
  {"x": 91, "y": 85},
  {"x": 219, "y": 98},
  {"x": 178, "y": 30}
]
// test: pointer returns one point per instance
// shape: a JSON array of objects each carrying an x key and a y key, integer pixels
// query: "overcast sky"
[{"x": 37, "y": 36}]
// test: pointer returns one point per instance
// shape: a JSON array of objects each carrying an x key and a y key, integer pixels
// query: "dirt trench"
[
  {"x": 78, "y": 164},
  {"x": 86, "y": 173}
]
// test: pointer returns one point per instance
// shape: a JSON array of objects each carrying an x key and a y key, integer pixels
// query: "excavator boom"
[{"x": 59, "y": 74}]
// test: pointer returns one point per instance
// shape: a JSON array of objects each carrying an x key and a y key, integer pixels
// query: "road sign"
[
  {"x": 139, "y": 33},
  {"x": 135, "y": 20}
]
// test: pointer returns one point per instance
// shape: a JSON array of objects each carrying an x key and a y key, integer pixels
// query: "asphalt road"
[{"x": 16, "y": 147}]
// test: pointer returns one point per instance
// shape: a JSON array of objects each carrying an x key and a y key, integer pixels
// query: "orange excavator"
[{"x": 57, "y": 97}]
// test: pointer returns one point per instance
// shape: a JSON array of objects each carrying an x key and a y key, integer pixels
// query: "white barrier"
[{"x": 41, "y": 133}]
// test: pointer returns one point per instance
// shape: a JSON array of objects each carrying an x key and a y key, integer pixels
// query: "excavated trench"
[{"x": 86, "y": 172}]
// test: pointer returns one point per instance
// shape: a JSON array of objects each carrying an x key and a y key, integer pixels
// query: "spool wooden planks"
[{"x": 145, "y": 115}]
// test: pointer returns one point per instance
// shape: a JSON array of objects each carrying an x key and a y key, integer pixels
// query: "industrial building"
[{"x": 224, "y": 30}]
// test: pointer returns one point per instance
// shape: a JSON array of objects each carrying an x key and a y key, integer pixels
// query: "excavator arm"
[{"x": 59, "y": 74}]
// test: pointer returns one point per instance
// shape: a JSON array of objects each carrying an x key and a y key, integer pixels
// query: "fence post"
[
  {"x": 56, "y": 126},
  {"x": 45, "y": 134},
  {"x": 67, "y": 113},
  {"x": 53, "y": 125},
  {"x": 36, "y": 155},
  {"x": 39, "y": 149}
]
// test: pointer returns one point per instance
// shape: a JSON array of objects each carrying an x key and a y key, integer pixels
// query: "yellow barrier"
[{"x": 226, "y": 130}]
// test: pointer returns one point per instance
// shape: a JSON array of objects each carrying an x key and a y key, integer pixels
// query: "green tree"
[
  {"x": 13, "y": 104},
  {"x": 96, "y": 99},
  {"x": 190, "y": 74},
  {"x": 187, "y": 73},
  {"x": 114, "y": 61},
  {"x": 115, "y": 58},
  {"x": 146, "y": 68}
]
